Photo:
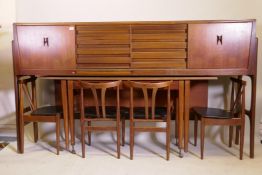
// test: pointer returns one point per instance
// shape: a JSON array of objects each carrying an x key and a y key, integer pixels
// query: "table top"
[{"x": 129, "y": 78}]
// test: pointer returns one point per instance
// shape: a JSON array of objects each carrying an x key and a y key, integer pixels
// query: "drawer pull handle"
[
  {"x": 46, "y": 43},
  {"x": 219, "y": 39}
]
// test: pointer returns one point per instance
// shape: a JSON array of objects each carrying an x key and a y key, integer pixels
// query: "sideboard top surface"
[{"x": 135, "y": 22}]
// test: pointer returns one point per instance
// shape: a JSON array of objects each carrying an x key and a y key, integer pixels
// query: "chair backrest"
[
  {"x": 27, "y": 88},
  {"x": 145, "y": 87},
  {"x": 237, "y": 101},
  {"x": 95, "y": 87}
]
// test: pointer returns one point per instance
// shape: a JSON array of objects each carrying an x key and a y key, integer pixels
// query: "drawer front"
[
  {"x": 46, "y": 47},
  {"x": 159, "y": 46},
  {"x": 219, "y": 45},
  {"x": 103, "y": 46}
]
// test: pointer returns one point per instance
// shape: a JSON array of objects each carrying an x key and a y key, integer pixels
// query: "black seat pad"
[
  {"x": 212, "y": 112},
  {"x": 48, "y": 111},
  {"x": 90, "y": 112},
  {"x": 160, "y": 112}
]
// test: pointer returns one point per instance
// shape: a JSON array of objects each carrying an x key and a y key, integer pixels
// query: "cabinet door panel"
[
  {"x": 218, "y": 46},
  {"x": 46, "y": 47}
]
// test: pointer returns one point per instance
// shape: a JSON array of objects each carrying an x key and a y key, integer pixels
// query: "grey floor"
[{"x": 149, "y": 157}]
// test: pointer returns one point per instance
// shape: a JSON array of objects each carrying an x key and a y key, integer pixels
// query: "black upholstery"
[
  {"x": 212, "y": 112},
  {"x": 48, "y": 110},
  {"x": 160, "y": 113},
  {"x": 90, "y": 112}
]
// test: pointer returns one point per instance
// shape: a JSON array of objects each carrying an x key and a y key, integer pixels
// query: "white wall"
[
  {"x": 7, "y": 99},
  {"x": 129, "y": 10},
  {"x": 119, "y": 10}
]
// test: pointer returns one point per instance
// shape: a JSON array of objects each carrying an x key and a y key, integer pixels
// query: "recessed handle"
[
  {"x": 219, "y": 39},
  {"x": 46, "y": 42}
]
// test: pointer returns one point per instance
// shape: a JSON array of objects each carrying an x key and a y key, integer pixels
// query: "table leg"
[
  {"x": 71, "y": 113},
  {"x": 181, "y": 115},
  {"x": 186, "y": 113},
  {"x": 65, "y": 111}
]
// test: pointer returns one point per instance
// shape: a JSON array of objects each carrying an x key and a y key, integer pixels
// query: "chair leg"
[
  {"x": 89, "y": 133},
  {"x": 118, "y": 139},
  {"x": 83, "y": 138},
  {"x": 176, "y": 132},
  {"x": 230, "y": 136},
  {"x": 73, "y": 136},
  {"x": 176, "y": 124},
  {"x": 242, "y": 132},
  {"x": 57, "y": 135},
  {"x": 237, "y": 135},
  {"x": 202, "y": 137},
  {"x": 123, "y": 131},
  {"x": 167, "y": 141},
  {"x": 22, "y": 130},
  {"x": 35, "y": 131},
  {"x": 195, "y": 130},
  {"x": 131, "y": 139}
]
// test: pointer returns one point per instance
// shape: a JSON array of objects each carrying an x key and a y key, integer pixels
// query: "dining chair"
[
  {"x": 216, "y": 116},
  {"x": 35, "y": 114},
  {"x": 150, "y": 112},
  {"x": 100, "y": 112}
]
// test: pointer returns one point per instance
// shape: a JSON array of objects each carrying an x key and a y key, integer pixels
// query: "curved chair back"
[
  {"x": 237, "y": 101},
  {"x": 100, "y": 102},
  {"x": 145, "y": 87}
]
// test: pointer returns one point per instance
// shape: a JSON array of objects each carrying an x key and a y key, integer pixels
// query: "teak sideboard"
[{"x": 178, "y": 50}]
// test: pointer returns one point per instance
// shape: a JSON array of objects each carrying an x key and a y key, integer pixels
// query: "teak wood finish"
[
  {"x": 182, "y": 48},
  {"x": 138, "y": 49},
  {"x": 215, "y": 116},
  {"x": 149, "y": 113},
  {"x": 199, "y": 90},
  {"x": 27, "y": 91},
  {"x": 230, "y": 49},
  {"x": 99, "y": 112}
]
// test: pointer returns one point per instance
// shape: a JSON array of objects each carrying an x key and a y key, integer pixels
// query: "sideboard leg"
[
  {"x": 18, "y": 125},
  {"x": 252, "y": 114}
]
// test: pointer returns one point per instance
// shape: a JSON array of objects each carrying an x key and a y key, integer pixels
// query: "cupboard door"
[
  {"x": 219, "y": 45},
  {"x": 44, "y": 48}
]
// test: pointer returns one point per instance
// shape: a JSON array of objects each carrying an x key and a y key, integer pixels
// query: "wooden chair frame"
[
  {"x": 237, "y": 117},
  {"x": 100, "y": 116},
  {"x": 145, "y": 86},
  {"x": 24, "y": 91}
]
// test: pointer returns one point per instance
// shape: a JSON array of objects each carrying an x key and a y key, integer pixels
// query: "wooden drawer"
[
  {"x": 103, "y": 46},
  {"x": 159, "y": 46},
  {"x": 219, "y": 45},
  {"x": 46, "y": 48}
]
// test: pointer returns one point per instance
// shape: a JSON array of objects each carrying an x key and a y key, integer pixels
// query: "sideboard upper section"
[{"x": 135, "y": 48}]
